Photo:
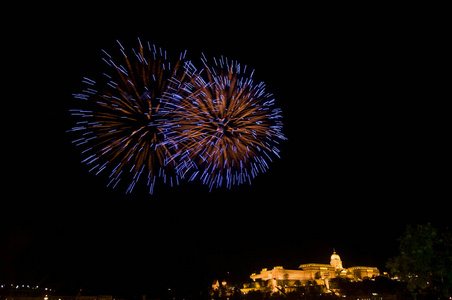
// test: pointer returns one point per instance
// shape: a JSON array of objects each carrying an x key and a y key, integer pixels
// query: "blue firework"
[{"x": 125, "y": 126}]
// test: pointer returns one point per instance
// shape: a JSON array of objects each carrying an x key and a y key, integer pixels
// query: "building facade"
[
  {"x": 278, "y": 278},
  {"x": 357, "y": 273}
]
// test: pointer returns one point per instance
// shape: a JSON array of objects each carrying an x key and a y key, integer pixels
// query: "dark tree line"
[{"x": 425, "y": 261}]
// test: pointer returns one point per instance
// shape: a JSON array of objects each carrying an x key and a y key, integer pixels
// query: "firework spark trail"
[
  {"x": 127, "y": 126},
  {"x": 227, "y": 126},
  {"x": 150, "y": 119}
]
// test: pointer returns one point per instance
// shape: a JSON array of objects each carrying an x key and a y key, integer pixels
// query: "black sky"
[{"x": 366, "y": 151}]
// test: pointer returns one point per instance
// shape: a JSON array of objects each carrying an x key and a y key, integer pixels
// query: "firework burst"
[
  {"x": 126, "y": 126},
  {"x": 228, "y": 128}
]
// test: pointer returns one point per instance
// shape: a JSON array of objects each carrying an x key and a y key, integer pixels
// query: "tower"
[{"x": 336, "y": 261}]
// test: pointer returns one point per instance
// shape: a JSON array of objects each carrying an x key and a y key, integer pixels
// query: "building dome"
[
  {"x": 336, "y": 260},
  {"x": 335, "y": 256}
]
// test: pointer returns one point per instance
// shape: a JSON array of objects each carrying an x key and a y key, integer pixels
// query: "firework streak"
[
  {"x": 149, "y": 119},
  {"x": 226, "y": 125}
]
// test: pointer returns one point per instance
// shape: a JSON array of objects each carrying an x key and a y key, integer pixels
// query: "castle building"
[{"x": 307, "y": 274}]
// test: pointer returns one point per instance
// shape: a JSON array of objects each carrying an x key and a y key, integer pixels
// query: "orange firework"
[{"x": 227, "y": 126}]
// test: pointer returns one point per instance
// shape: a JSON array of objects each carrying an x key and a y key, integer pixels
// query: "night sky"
[{"x": 366, "y": 154}]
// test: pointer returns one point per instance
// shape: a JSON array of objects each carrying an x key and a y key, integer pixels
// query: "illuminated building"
[
  {"x": 223, "y": 289},
  {"x": 358, "y": 273},
  {"x": 278, "y": 278}
]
